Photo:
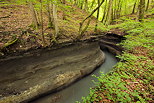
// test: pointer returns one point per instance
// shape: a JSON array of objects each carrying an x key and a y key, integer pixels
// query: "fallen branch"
[
  {"x": 9, "y": 43},
  {"x": 8, "y": 16}
]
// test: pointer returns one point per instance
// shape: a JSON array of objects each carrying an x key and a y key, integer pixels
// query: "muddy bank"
[
  {"x": 24, "y": 79},
  {"x": 110, "y": 42}
]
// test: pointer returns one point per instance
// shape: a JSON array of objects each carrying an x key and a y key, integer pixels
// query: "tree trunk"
[
  {"x": 98, "y": 10},
  {"x": 141, "y": 10},
  {"x": 104, "y": 14},
  {"x": 114, "y": 10},
  {"x": 152, "y": 2},
  {"x": 147, "y": 7},
  {"x": 42, "y": 33},
  {"x": 109, "y": 15},
  {"x": 81, "y": 24},
  {"x": 49, "y": 11},
  {"x": 119, "y": 9},
  {"x": 33, "y": 14},
  {"x": 55, "y": 21},
  {"x": 97, "y": 16},
  {"x": 134, "y": 7}
]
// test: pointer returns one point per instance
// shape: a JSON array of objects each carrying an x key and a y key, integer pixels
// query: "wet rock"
[
  {"x": 110, "y": 41},
  {"x": 52, "y": 70}
]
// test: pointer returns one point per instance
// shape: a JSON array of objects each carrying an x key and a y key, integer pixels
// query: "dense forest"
[{"x": 37, "y": 24}]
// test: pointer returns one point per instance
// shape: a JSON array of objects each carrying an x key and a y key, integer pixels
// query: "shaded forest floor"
[{"x": 18, "y": 34}]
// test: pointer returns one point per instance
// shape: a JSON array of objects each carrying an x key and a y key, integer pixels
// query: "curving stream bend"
[
  {"x": 81, "y": 88},
  {"x": 50, "y": 75}
]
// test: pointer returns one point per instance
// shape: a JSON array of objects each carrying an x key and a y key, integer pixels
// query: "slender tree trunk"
[
  {"x": 81, "y": 24},
  {"x": 147, "y": 7},
  {"x": 104, "y": 14},
  {"x": 152, "y": 2},
  {"x": 33, "y": 14},
  {"x": 55, "y": 21},
  {"x": 98, "y": 10},
  {"x": 109, "y": 14},
  {"x": 42, "y": 33},
  {"x": 141, "y": 10},
  {"x": 49, "y": 11},
  {"x": 97, "y": 16},
  {"x": 134, "y": 7},
  {"x": 119, "y": 9},
  {"x": 114, "y": 9}
]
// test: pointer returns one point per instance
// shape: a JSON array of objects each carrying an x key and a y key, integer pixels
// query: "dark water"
[{"x": 81, "y": 88}]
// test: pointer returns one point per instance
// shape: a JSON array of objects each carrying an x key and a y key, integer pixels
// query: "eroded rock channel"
[
  {"x": 80, "y": 88},
  {"x": 27, "y": 77},
  {"x": 24, "y": 79}
]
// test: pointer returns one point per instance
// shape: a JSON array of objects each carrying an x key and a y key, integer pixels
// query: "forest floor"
[
  {"x": 132, "y": 78},
  {"x": 17, "y": 33}
]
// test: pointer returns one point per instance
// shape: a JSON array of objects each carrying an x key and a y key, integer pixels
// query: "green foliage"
[
  {"x": 102, "y": 27},
  {"x": 129, "y": 25},
  {"x": 131, "y": 67},
  {"x": 139, "y": 34}
]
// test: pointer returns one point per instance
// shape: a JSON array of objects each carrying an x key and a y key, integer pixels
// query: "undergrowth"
[{"x": 131, "y": 80}]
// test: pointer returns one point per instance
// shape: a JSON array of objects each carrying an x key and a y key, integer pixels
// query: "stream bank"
[
  {"x": 80, "y": 88},
  {"x": 57, "y": 68},
  {"x": 26, "y": 78}
]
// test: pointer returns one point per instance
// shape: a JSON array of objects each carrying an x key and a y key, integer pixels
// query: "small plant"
[{"x": 124, "y": 82}]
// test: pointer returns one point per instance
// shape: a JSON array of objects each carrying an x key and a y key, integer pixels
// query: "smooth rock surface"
[{"x": 24, "y": 79}]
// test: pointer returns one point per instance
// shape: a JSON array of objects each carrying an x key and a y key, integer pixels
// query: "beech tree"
[
  {"x": 141, "y": 10},
  {"x": 41, "y": 12},
  {"x": 33, "y": 14},
  {"x": 55, "y": 20},
  {"x": 49, "y": 12},
  {"x": 109, "y": 12}
]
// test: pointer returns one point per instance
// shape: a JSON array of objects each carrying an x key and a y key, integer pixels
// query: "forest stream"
[
  {"x": 75, "y": 92},
  {"x": 50, "y": 73},
  {"x": 50, "y": 51}
]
